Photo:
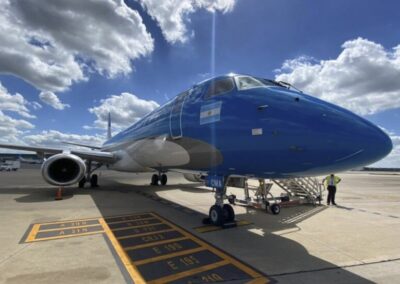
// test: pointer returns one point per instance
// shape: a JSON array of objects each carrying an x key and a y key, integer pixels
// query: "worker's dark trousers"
[{"x": 331, "y": 194}]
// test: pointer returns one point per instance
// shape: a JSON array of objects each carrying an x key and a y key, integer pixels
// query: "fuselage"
[{"x": 241, "y": 125}]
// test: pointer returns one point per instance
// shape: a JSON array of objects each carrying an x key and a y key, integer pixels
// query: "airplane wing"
[
  {"x": 98, "y": 156},
  {"x": 82, "y": 145}
]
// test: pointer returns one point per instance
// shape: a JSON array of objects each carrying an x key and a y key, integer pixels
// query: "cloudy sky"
[{"x": 65, "y": 64}]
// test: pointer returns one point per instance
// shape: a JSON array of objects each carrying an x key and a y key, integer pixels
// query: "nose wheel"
[{"x": 221, "y": 214}]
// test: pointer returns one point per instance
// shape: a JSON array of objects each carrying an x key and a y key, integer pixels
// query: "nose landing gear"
[{"x": 221, "y": 214}]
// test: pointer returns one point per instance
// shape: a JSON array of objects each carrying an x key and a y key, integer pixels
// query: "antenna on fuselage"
[{"x": 109, "y": 126}]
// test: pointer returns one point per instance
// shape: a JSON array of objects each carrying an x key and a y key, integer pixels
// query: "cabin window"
[
  {"x": 246, "y": 82},
  {"x": 219, "y": 87}
]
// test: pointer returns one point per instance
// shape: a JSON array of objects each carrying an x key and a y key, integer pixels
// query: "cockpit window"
[
  {"x": 218, "y": 87},
  {"x": 246, "y": 82},
  {"x": 271, "y": 83}
]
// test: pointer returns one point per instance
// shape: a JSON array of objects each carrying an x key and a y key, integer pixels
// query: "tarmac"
[{"x": 354, "y": 242}]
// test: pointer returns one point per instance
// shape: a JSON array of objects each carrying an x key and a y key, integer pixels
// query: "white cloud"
[
  {"x": 50, "y": 44},
  {"x": 11, "y": 128},
  {"x": 171, "y": 15},
  {"x": 54, "y": 138},
  {"x": 125, "y": 109},
  {"x": 14, "y": 103},
  {"x": 393, "y": 159},
  {"x": 52, "y": 100},
  {"x": 35, "y": 105},
  {"x": 363, "y": 78}
]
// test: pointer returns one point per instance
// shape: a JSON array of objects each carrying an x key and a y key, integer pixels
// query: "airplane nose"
[
  {"x": 378, "y": 144},
  {"x": 364, "y": 142}
]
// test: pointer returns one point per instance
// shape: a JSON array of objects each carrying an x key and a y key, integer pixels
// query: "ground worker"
[{"x": 331, "y": 181}]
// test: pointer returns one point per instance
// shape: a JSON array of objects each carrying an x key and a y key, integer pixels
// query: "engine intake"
[{"x": 63, "y": 169}]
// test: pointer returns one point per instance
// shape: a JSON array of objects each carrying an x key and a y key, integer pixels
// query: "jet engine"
[
  {"x": 63, "y": 169},
  {"x": 194, "y": 177}
]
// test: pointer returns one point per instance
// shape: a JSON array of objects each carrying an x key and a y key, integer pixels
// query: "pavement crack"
[{"x": 15, "y": 253}]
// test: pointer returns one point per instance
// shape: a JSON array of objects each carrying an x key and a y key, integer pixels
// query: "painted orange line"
[
  {"x": 145, "y": 234},
  {"x": 133, "y": 272},
  {"x": 166, "y": 256},
  {"x": 156, "y": 243},
  {"x": 190, "y": 272}
]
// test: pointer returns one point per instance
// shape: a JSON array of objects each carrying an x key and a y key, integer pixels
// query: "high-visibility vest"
[{"x": 336, "y": 180}]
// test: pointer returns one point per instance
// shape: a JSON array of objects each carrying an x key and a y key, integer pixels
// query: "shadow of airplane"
[{"x": 278, "y": 257}]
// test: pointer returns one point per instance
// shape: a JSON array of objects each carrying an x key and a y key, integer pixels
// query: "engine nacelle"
[
  {"x": 194, "y": 177},
  {"x": 63, "y": 169}
]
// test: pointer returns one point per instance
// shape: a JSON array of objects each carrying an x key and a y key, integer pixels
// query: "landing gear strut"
[
  {"x": 89, "y": 177},
  {"x": 162, "y": 178},
  {"x": 221, "y": 214}
]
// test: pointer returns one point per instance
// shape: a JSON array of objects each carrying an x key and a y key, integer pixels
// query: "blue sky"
[{"x": 170, "y": 50}]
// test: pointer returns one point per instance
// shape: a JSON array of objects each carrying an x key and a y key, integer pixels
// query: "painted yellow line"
[
  {"x": 133, "y": 272},
  {"x": 212, "y": 228},
  {"x": 130, "y": 220},
  {"x": 166, "y": 256},
  {"x": 218, "y": 252},
  {"x": 145, "y": 234},
  {"x": 126, "y": 215},
  {"x": 190, "y": 272},
  {"x": 96, "y": 218},
  {"x": 155, "y": 243},
  {"x": 134, "y": 227},
  {"x": 67, "y": 228},
  {"x": 32, "y": 235},
  {"x": 65, "y": 236},
  {"x": 68, "y": 221},
  {"x": 261, "y": 280}
]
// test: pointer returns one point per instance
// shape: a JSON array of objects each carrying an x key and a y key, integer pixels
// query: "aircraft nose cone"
[
  {"x": 378, "y": 145},
  {"x": 364, "y": 142}
]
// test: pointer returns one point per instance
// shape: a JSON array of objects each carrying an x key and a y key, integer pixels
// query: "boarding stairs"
[{"x": 306, "y": 188}]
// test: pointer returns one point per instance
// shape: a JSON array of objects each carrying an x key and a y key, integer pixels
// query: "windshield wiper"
[{"x": 287, "y": 85}]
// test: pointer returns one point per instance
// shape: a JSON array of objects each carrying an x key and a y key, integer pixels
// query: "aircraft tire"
[
  {"x": 229, "y": 213},
  {"x": 275, "y": 209},
  {"x": 154, "y": 179},
  {"x": 94, "y": 181},
  {"x": 164, "y": 179},
  {"x": 216, "y": 215},
  {"x": 81, "y": 183}
]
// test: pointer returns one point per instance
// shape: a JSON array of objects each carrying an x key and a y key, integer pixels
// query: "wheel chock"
[
  {"x": 229, "y": 225},
  {"x": 206, "y": 221}
]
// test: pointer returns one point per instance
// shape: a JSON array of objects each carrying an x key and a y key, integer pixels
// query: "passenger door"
[{"x": 175, "y": 121}]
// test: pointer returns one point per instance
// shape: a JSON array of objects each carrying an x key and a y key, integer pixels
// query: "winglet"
[{"x": 109, "y": 127}]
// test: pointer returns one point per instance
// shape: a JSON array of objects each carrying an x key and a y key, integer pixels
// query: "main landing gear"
[
  {"x": 92, "y": 179},
  {"x": 221, "y": 214},
  {"x": 159, "y": 178}
]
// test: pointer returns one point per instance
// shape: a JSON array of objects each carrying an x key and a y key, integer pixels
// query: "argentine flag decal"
[{"x": 210, "y": 113}]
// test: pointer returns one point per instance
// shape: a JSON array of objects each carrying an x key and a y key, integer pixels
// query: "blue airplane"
[{"x": 231, "y": 125}]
